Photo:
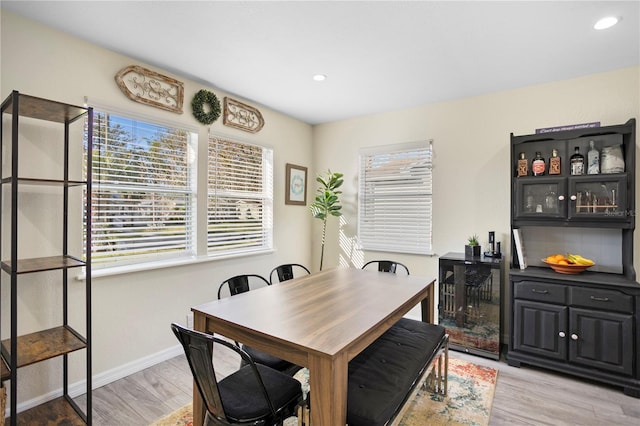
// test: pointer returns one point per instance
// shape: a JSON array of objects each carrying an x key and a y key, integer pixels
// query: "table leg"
[
  {"x": 328, "y": 380},
  {"x": 199, "y": 324},
  {"x": 427, "y": 305}
]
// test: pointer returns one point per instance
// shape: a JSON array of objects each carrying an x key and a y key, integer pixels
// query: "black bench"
[{"x": 384, "y": 375}]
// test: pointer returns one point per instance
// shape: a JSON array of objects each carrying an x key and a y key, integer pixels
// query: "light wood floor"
[{"x": 523, "y": 396}]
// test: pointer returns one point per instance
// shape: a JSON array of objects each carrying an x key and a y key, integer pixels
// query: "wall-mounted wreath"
[{"x": 202, "y": 98}]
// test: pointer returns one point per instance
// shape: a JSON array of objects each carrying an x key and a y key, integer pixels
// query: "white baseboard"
[
  {"x": 102, "y": 379},
  {"x": 130, "y": 368}
]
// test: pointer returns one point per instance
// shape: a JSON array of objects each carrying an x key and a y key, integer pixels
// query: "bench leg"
[
  {"x": 442, "y": 377},
  {"x": 446, "y": 366}
]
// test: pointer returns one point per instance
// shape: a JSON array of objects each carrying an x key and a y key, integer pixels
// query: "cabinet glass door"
[
  {"x": 540, "y": 197},
  {"x": 598, "y": 196}
]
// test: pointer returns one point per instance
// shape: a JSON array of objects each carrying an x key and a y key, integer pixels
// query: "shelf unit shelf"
[
  {"x": 44, "y": 344},
  {"x": 62, "y": 339},
  {"x": 46, "y": 182},
  {"x": 44, "y": 109},
  {"x": 40, "y": 264},
  {"x": 63, "y": 410}
]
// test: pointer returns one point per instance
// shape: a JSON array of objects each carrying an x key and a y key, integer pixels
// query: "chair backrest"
[
  {"x": 198, "y": 348},
  {"x": 286, "y": 272},
  {"x": 241, "y": 283},
  {"x": 387, "y": 266}
]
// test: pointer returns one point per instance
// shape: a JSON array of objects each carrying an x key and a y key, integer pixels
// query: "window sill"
[{"x": 170, "y": 263}]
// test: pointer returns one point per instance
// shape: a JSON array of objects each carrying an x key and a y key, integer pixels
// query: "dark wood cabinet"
[
  {"x": 585, "y": 324},
  {"x": 539, "y": 328},
  {"x": 604, "y": 199},
  {"x": 584, "y": 328},
  {"x": 46, "y": 163},
  {"x": 601, "y": 340}
]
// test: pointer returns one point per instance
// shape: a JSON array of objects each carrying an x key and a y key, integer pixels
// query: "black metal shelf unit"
[{"x": 26, "y": 349}]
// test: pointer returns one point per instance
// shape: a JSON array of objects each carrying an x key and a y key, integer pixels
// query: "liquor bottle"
[
  {"x": 523, "y": 166},
  {"x": 577, "y": 162},
  {"x": 538, "y": 165},
  {"x": 593, "y": 159},
  {"x": 554, "y": 163}
]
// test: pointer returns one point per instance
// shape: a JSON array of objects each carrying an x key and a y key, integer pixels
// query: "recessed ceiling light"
[
  {"x": 319, "y": 77},
  {"x": 605, "y": 23}
]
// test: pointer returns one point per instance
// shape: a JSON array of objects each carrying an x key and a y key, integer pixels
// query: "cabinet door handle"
[
  {"x": 533, "y": 290},
  {"x": 561, "y": 197},
  {"x": 573, "y": 198},
  {"x": 561, "y": 334},
  {"x": 600, "y": 299},
  {"x": 574, "y": 336}
]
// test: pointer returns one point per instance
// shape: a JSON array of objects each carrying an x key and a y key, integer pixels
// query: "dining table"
[{"x": 319, "y": 321}]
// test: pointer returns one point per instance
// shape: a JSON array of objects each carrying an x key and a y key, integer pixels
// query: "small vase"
[{"x": 472, "y": 251}]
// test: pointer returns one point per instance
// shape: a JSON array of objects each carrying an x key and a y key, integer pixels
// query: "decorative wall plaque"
[
  {"x": 241, "y": 116},
  {"x": 148, "y": 87}
]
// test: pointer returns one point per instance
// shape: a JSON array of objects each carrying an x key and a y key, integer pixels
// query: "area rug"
[{"x": 468, "y": 401}]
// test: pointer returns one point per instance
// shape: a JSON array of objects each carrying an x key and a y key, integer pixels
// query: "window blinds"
[
  {"x": 240, "y": 197},
  {"x": 395, "y": 198},
  {"x": 142, "y": 190}
]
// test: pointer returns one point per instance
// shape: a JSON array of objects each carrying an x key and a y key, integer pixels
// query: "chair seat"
[
  {"x": 242, "y": 396},
  {"x": 264, "y": 358}
]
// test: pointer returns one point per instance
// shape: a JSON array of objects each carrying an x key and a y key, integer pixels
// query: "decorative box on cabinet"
[
  {"x": 45, "y": 166},
  {"x": 585, "y": 324},
  {"x": 469, "y": 303}
]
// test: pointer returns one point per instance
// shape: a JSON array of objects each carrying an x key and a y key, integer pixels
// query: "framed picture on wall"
[{"x": 296, "y": 181}]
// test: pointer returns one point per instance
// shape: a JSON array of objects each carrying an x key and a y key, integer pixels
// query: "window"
[
  {"x": 143, "y": 191},
  {"x": 395, "y": 198},
  {"x": 240, "y": 197}
]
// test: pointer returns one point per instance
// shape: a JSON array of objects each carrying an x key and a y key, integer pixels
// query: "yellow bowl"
[{"x": 572, "y": 268}]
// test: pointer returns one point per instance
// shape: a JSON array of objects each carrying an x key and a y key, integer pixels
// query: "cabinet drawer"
[
  {"x": 607, "y": 300},
  {"x": 532, "y": 290}
]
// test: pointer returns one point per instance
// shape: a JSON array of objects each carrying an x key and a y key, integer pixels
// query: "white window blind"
[
  {"x": 395, "y": 198},
  {"x": 240, "y": 197},
  {"x": 143, "y": 191}
]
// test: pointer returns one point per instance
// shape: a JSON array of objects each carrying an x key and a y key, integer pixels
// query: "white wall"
[
  {"x": 132, "y": 312},
  {"x": 471, "y": 157}
]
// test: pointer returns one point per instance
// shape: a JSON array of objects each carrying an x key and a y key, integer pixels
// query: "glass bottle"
[
  {"x": 551, "y": 201},
  {"x": 528, "y": 206},
  {"x": 538, "y": 165},
  {"x": 523, "y": 165},
  {"x": 593, "y": 159},
  {"x": 577, "y": 162},
  {"x": 554, "y": 163}
]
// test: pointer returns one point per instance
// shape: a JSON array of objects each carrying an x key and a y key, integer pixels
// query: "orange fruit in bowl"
[
  {"x": 563, "y": 262},
  {"x": 555, "y": 258}
]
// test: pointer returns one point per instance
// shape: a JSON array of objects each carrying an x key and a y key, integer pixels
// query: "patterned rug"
[{"x": 468, "y": 402}]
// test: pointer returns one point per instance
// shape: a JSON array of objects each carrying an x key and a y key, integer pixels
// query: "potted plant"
[
  {"x": 327, "y": 202},
  {"x": 472, "y": 248}
]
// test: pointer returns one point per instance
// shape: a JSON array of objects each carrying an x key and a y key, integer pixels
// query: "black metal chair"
[
  {"x": 287, "y": 272},
  {"x": 240, "y": 284},
  {"x": 387, "y": 266},
  {"x": 255, "y": 394}
]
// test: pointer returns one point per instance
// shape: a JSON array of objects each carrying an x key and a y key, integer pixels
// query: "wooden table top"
[{"x": 325, "y": 312}]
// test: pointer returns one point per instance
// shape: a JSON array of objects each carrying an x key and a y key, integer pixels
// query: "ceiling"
[{"x": 377, "y": 55}]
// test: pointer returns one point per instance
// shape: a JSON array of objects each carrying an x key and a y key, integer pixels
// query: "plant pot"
[{"x": 472, "y": 251}]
